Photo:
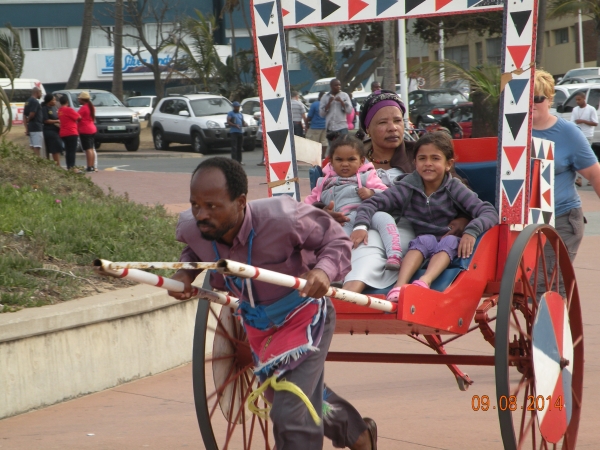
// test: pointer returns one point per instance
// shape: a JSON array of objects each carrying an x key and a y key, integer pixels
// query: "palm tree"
[
  {"x": 485, "y": 91},
  {"x": 11, "y": 66},
  {"x": 589, "y": 8},
  {"x": 321, "y": 59},
  {"x": 84, "y": 44}
]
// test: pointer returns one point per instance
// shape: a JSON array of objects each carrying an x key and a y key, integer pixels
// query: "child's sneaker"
[{"x": 393, "y": 263}]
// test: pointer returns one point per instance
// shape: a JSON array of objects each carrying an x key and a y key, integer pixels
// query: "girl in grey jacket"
[{"x": 429, "y": 198}]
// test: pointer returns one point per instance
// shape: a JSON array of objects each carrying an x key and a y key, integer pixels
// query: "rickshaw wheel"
[
  {"x": 543, "y": 331},
  {"x": 222, "y": 383}
]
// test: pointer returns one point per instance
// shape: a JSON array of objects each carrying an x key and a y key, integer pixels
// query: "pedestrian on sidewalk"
[
  {"x": 68, "y": 132},
  {"x": 316, "y": 125},
  {"x": 295, "y": 239},
  {"x": 87, "y": 129},
  {"x": 334, "y": 107},
  {"x": 298, "y": 114},
  {"x": 34, "y": 121},
  {"x": 235, "y": 120},
  {"x": 585, "y": 117},
  {"x": 54, "y": 145}
]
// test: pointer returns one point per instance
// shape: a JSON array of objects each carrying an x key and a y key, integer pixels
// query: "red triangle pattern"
[
  {"x": 514, "y": 155},
  {"x": 518, "y": 54},
  {"x": 280, "y": 169},
  {"x": 439, "y": 4},
  {"x": 550, "y": 155},
  {"x": 548, "y": 197},
  {"x": 356, "y": 6},
  {"x": 272, "y": 75},
  {"x": 284, "y": 12}
]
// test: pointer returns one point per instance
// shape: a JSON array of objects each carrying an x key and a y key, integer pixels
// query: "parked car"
[
  {"x": 143, "y": 105},
  {"x": 592, "y": 97},
  {"x": 576, "y": 80},
  {"x": 114, "y": 121},
  {"x": 427, "y": 106},
  {"x": 561, "y": 93},
  {"x": 18, "y": 92},
  {"x": 586, "y": 72},
  {"x": 457, "y": 120},
  {"x": 251, "y": 107},
  {"x": 197, "y": 119},
  {"x": 323, "y": 85}
]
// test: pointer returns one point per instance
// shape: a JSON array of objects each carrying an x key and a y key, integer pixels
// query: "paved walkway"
[{"x": 417, "y": 407}]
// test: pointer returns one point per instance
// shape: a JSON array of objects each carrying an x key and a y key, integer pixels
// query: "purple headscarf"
[{"x": 376, "y": 101}]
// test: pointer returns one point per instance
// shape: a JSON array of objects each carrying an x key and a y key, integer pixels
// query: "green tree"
[
  {"x": 485, "y": 91},
  {"x": 488, "y": 23},
  {"x": 11, "y": 66},
  {"x": 589, "y": 8}
]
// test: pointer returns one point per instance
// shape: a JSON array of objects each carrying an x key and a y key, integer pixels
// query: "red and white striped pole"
[{"x": 140, "y": 276}]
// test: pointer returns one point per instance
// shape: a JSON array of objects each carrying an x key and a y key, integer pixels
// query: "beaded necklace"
[{"x": 370, "y": 158}]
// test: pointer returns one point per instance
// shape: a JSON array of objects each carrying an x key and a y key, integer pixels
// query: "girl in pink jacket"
[{"x": 347, "y": 182}]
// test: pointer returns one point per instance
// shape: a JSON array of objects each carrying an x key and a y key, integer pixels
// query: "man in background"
[
  {"x": 586, "y": 118},
  {"x": 334, "y": 107},
  {"x": 34, "y": 121},
  {"x": 235, "y": 120},
  {"x": 316, "y": 125},
  {"x": 298, "y": 114}
]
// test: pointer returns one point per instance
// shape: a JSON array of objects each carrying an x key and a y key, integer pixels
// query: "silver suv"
[
  {"x": 197, "y": 119},
  {"x": 114, "y": 121}
]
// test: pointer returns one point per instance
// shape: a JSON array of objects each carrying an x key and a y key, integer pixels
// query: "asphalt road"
[{"x": 180, "y": 159}]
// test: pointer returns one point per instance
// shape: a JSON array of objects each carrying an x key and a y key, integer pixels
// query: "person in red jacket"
[
  {"x": 87, "y": 128},
  {"x": 68, "y": 131}
]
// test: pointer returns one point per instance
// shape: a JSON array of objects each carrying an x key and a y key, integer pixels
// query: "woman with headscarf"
[
  {"x": 87, "y": 128},
  {"x": 52, "y": 139},
  {"x": 572, "y": 155},
  {"x": 382, "y": 118}
]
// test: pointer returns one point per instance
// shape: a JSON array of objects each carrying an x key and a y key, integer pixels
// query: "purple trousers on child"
[{"x": 428, "y": 245}]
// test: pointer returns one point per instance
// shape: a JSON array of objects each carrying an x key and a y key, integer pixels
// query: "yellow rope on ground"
[{"x": 282, "y": 385}]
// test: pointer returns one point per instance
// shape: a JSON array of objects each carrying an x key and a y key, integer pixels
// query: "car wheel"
[
  {"x": 249, "y": 145},
  {"x": 147, "y": 118},
  {"x": 97, "y": 145},
  {"x": 159, "y": 140},
  {"x": 133, "y": 144},
  {"x": 197, "y": 143}
]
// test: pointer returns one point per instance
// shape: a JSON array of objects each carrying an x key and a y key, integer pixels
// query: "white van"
[
  {"x": 323, "y": 85},
  {"x": 18, "y": 93}
]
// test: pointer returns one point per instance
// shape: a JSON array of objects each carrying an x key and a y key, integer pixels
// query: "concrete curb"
[
  {"x": 60, "y": 352},
  {"x": 102, "y": 155}
]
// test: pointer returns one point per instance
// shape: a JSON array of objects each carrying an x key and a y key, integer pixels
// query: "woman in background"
[{"x": 87, "y": 128}]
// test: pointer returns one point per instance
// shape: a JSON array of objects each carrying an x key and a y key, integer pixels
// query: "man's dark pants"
[
  {"x": 298, "y": 130},
  {"x": 237, "y": 139}
]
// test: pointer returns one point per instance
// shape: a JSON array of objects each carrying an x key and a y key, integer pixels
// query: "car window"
[
  {"x": 140, "y": 102},
  {"x": 101, "y": 99},
  {"x": 594, "y": 98},
  {"x": 18, "y": 95},
  {"x": 251, "y": 107},
  {"x": 445, "y": 98},
  {"x": 181, "y": 105},
  {"x": 168, "y": 107},
  {"x": 559, "y": 98},
  {"x": 321, "y": 87},
  {"x": 210, "y": 106},
  {"x": 416, "y": 98}
]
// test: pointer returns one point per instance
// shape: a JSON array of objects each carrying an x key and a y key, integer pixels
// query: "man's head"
[
  {"x": 36, "y": 92},
  {"x": 375, "y": 86},
  {"x": 218, "y": 193},
  {"x": 295, "y": 95},
  {"x": 580, "y": 99},
  {"x": 236, "y": 106},
  {"x": 335, "y": 85}
]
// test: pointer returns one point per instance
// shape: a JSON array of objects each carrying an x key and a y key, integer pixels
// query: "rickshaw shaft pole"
[{"x": 411, "y": 358}]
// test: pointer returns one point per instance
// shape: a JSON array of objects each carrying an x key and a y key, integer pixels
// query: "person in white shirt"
[{"x": 586, "y": 118}]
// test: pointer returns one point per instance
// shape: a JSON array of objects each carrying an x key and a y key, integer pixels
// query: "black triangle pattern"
[
  {"x": 328, "y": 8},
  {"x": 515, "y": 121},
  {"x": 279, "y": 137},
  {"x": 268, "y": 41},
  {"x": 412, "y": 4},
  {"x": 520, "y": 19},
  {"x": 547, "y": 216}
]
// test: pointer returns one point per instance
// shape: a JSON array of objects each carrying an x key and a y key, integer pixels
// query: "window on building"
[
  {"x": 493, "y": 49},
  {"x": 99, "y": 38},
  {"x": 479, "y": 52},
  {"x": 561, "y": 36},
  {"x": 459, "y": 55},
  {"x": 29, "y": 38},
  {"x": 129, "y": 41},
  {"x": 153, "y": 29},
  {"x": 53, "y": 38},
  {"x": 547, "y": 37}
]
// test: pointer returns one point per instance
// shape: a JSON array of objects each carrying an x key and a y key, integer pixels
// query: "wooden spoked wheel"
[
  {"x": 223, "y": 380},
  {"x": 539, "y": 345}
]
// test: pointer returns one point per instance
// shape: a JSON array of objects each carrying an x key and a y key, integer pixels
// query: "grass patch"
[{"x": 54, "y": 223}]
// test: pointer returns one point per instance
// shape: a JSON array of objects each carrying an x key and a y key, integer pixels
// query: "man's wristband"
[{"x": 360, "y": 227}]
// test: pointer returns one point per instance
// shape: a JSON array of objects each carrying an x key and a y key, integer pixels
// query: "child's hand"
[
  {"x": 358, "y": 237},
  {"x": 365, "y": 193},
  {"x": 465, "y": 248}
]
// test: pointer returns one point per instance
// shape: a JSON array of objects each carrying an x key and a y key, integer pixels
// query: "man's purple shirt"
[{"x": 289, "y": 237}]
